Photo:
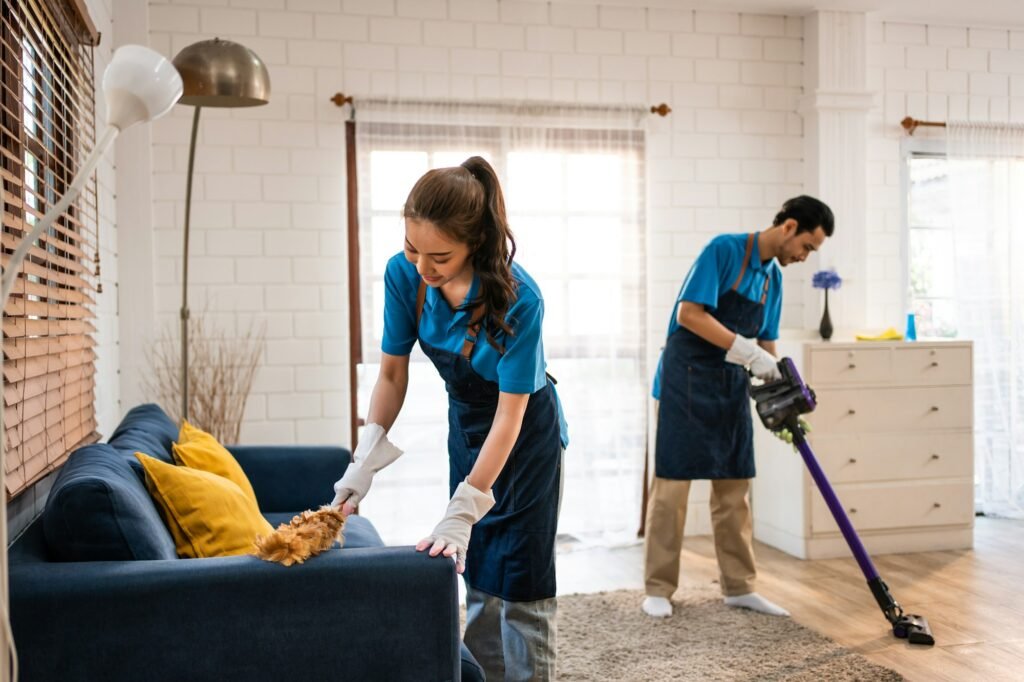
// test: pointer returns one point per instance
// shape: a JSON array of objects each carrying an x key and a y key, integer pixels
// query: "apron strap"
[
  {"x": 472, "y": 331},
  {"x": 746, "y": 259},
  {"x": 743, "y": 270},
  {"x": 421, "y": 297}
]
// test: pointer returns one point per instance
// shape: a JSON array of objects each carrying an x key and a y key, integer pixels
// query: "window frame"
[{"x": 911, "y": 147}]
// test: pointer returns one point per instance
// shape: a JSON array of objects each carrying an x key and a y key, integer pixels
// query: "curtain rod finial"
[
  {"x": 340, "y": 99},
  {"x": 661, "y": 109},
  {"x": 909, "y": 124}
]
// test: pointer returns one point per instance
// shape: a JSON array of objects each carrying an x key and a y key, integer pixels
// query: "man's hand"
[
  {"x": 747, "y": 353},
  {"x": 451, "y": 537}
]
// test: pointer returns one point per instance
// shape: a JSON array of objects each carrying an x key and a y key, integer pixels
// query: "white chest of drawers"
[{"x": 893, "y": 433}]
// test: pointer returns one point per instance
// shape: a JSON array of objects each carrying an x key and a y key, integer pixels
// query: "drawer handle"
[
  {"x": 853, "y": 460},
  {"x": 853, "y": 366},
  {"x": 937, "y": 505},
  {"x": 934, "y": 456},
  {"x": 851, "y": 411},
  {"x": 935, "y": 408},
  {"x": 935, "y": 364},
  {"x": 853, "y": 510}
]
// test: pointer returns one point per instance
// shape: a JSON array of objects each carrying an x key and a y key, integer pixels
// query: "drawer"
[
  {"x": 894, "y": 456},
  {"x": 883, "y": 507},
  {"x": 859, "y": 411},
  {"x": 932, "y": 366},
  {"x": 849, "y": 366}
]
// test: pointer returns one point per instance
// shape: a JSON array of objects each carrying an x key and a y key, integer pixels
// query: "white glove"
[
  {"x": 373, "y": 453},
  {"x": 747, "y": 353},
  {"x": 451, "y": 537}
]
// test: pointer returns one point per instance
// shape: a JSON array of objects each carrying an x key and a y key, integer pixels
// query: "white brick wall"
[{"x": 932, "y": 73}]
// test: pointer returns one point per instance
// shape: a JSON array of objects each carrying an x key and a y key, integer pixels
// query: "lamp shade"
[
  {"x": 139, "y": 85},
  {"x": 221, "y": 73}
]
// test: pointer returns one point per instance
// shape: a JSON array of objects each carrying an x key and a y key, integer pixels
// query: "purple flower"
[{"x": 826, "y": 279}]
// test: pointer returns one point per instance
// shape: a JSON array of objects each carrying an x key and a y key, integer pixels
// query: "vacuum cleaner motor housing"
[{"x": 782, "y": 401}]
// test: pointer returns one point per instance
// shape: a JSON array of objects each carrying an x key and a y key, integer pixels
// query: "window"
[
  {"x": 575, "y": 201},
  {"x": 930, "y": 246},
  {"x": 47, "y": 123}
]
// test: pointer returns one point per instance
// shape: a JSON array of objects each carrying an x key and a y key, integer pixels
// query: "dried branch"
[{"x": 221, "y": 370}]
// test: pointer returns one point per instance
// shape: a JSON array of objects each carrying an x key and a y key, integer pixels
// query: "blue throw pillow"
[
  {"x": 99, "y": 510},
  {"x": 147, "y": 429}
]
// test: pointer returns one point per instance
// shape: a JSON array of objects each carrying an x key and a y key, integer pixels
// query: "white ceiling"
[{"x": 980, "y": 13}]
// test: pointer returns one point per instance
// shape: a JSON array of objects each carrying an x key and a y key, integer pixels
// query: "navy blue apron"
[
  {"x": 511, "y": 551},
  {"x": 704, "y": 425}
]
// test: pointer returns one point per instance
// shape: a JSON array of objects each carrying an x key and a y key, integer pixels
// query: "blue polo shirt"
[
  {"x": 714, "y": 273},
  {"x": 521, "y": 369}
]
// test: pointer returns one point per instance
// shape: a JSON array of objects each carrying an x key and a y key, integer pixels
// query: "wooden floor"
[{"x": 973, "y": 599}]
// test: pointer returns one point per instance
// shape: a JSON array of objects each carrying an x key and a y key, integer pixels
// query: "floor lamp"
[
  {"x": 215, "y": 73},
  {"x": 139, "y": 85}
]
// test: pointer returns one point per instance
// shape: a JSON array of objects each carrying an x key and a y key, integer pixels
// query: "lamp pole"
[
  {"x": 216, "y": 73},
  {"x": 184, "y": 266}
]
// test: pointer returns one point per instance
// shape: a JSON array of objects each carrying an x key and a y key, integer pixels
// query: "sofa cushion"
[
  {"x": 199, "y": 450},
  {"x": 208, "y": 515},
  {"x": 146, "y": 428},
  {"x": 99, "y": 510},
  {"x": 358, "y": 531}
]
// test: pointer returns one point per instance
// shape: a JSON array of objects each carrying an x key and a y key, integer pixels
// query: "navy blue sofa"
[{"x": 98, "y": 593}]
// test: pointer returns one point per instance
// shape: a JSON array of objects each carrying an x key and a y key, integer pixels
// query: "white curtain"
[
  {"x": 986, "y": 194},
  {"x": 573, "y": 182}
]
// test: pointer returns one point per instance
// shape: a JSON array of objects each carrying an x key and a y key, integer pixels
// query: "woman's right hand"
[{"x": 373, "y": 453}]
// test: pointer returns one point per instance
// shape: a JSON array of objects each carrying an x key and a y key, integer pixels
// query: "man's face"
[{"x": 795, "y": 248}]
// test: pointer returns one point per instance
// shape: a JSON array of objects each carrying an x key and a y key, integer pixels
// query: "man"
[{"x": 725, "y": 321}]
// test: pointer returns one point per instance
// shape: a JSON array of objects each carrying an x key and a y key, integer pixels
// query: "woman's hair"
[
  {"x": 465, "y": 202},
  {"x": 809, "y": 214}
]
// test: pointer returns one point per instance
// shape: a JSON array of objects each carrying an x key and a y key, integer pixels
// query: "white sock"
[
  {"x": 755, "y": 602},
  {"x": 657, "y": 607}
]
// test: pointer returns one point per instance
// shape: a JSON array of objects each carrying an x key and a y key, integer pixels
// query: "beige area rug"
[{"x": 606, "y": 636}]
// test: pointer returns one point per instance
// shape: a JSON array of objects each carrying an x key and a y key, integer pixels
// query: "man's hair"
[{"x": 809, "y": 214}]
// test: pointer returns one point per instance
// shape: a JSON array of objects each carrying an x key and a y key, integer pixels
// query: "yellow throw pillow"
[
  {"x": 197, "y": 449},
  {"x": 207, "y": 514}
]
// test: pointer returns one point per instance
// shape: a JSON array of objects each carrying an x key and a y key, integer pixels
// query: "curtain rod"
[
  {"x": 340, "y": 99},
  {"x": 910, "y": 124}
]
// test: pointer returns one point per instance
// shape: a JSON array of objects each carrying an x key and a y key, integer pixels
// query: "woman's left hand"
[
  {"x": 446, "y": 547},
  {"x": 451, "y": 537}
]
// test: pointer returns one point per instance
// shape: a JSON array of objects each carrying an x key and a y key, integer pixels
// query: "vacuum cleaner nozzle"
[{"x": 914, "y": 629}]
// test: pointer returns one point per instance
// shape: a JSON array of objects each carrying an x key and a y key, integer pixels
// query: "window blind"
[{"x": 47, "y": 125}]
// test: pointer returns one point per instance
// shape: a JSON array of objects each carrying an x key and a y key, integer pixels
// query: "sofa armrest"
[
  {"x": 290, "y": 478},
  {"x": 380, "y": 613}
]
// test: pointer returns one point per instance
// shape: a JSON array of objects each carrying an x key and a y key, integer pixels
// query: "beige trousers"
[{"x": 731, "y": 522}]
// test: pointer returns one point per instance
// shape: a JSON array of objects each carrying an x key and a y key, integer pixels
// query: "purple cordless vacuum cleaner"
[{"x": 779, "y": 405}]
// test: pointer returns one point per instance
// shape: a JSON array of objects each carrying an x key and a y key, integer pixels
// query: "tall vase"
[{"x": 825, "y": 328}]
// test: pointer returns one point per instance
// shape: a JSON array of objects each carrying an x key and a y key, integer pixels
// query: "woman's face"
[{"x": 437, "y": 258}]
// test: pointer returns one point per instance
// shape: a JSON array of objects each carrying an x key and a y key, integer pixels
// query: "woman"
[{"x": 478, "y": 318}]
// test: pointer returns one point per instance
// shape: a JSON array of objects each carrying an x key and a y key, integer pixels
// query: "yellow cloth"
[
  {"x": 207, "y": 514},
  {"x": 889, "y": 334},
  {"x": 197, "y": 449}
]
